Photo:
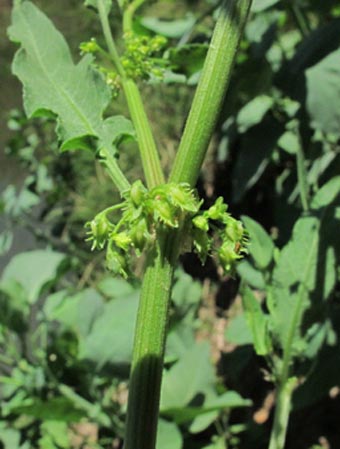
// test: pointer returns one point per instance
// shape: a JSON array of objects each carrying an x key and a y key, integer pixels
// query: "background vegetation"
[{"x": 66, "y": 326}]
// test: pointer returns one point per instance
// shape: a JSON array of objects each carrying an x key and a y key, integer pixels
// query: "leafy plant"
[
  {"x": 158, "y": 216},
  {"x": 275, "y": 157}
]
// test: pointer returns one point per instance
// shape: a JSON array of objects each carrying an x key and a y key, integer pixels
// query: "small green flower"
[
  {"x": 163, "y": 211},
  {"x": 140, "y": 235},
  {"x": 137, "y": 193},
  {"x": 100, "y": 228},
  {"x": 89, "y": 46},
  {"x": 218, "y": 210},
  {"x": 228, "y": 256},
  {"x": 116, "y": 262},
  {"x": 201, "y": 222},
  {"x": 182, "y": 196},
  {"x": 122, "y": 240}
]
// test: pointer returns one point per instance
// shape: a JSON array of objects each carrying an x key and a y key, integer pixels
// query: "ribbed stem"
[
  {"x": 114, "y": 171},
  {"x": 150, "y": 160},
  {"x": 147, "y": 363},
  {"x": 211, "y": 90},
  {"x": 282, "y": 411}
]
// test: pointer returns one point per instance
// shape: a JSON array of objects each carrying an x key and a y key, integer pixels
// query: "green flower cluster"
[
  {"x": 145, "y": 212},
  {"x": 216, "y": 231},
  {"x": 142, "y": 56}
]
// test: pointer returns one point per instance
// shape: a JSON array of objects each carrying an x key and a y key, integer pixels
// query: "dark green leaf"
[
  {"x": 56, "y": 409},
  {"x": 188, "y": 59}
]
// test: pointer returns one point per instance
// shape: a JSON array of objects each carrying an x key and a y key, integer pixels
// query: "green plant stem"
[
  {"x": 302, "y": 177},
  {"x": 109, "y": 38},
  {"x": 299, "y": 17},
  {"x": 114, "y": 171},
  {"x": 211, "y": 90},
  {"x": 149, "y": 344},
  {"x": 150, "y": 160},
  {"x": 129, "y": 12},
  {"x": 282, "y": 411},
  {"x": 148, "y": 151}
]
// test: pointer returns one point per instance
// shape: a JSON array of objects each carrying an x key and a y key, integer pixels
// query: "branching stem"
[
  {"x": 129, "y": 12},
  {"x": 211, "y": 91},
  {"x": 148, "y": 151}
]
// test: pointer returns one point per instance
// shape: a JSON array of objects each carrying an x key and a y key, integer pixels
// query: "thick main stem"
[
  {"x": 211, "y": 90},
  {"x": 149, "y": 344},
  {"x": 282, "y": 411}
]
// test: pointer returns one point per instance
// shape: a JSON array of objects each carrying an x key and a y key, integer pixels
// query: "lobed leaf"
[{"x": 76, "y": 95}]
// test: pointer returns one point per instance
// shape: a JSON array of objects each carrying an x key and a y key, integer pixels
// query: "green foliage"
[{"x": 66, "y": 351}]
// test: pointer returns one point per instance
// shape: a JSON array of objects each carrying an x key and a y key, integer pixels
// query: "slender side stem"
[
  {"x": 210, "y": 91},
  {"x": 129, "y": 12},
  {"x": 114, "y": 171},
  {"x": 302, "y": 177},
  {"x": 109, "y": 38},
  {"x": 148, "y": 354},
  {"x": 299, "y": 17},
  {"x": 150, "y": 160},
  {"x": 282, "y": 411}
]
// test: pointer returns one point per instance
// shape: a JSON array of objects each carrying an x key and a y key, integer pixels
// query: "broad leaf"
[
  {"x": 238, "y": 331},
  {"x": 293, "y": 279},
  {"x": 305, "y": 274},
  {"x": 253, "y": 112},
  {"x": 181, "y": 383},
  {"x": 115, "y": 325},
  {"x": 168, "y": 436},
  {"x": 327, "y": 194},
  {"x": 227, "y": 401},
  {"x": 261, "y": 245},
  {"x": 323, "y": 94},
  {"x": 76, "y": 94},
  {"x": 76, "y": 312},
  {"x": 251, "y": 275},
  {"x": 261, "y": 5},
  {"x": 34, "y": 270}
]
